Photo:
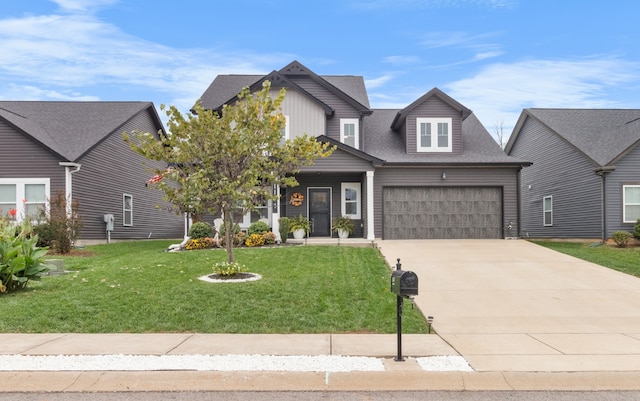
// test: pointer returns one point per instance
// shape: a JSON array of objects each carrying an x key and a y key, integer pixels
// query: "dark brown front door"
[{"x": 320, "y": 211}]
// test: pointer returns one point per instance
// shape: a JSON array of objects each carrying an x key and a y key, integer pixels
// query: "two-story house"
[{"x": 430, "y": 170}]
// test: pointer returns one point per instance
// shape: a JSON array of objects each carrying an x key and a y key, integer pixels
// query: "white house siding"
[{"x": 560, "y": 171}]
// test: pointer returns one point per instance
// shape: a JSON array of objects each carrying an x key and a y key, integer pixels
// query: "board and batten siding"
[
  {"x": 434, "y": 108},
  {"x": 22, "y": 157},
  {"x": 561, "y": 171},
  {"x": 342, "y": 109},
  {"x": 479, "y": 176},
  {"x": 339, "y": 161},
  {"x": 112, "y": 169},
  {"x": 305, "y": 116},
  {"x": 627, "y": 172}
]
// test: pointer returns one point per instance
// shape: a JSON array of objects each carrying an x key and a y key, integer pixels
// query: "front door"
[{"x": 320, "y": 211}]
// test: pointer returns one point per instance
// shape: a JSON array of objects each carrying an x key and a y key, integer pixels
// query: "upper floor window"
[
  {"x": 349, "y": 132},
  {"x": 23, "y": 197},
  {"x": 433, "y": 134},
  {"x": 285, "y": 130},
  {"x": 547, "y": 206},
  {"x": 631, "y": 203}
]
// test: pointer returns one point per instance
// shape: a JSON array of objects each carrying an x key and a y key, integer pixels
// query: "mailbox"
[{"x": 404, "y": 283}]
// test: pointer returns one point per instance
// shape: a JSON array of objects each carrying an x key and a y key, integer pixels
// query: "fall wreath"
[{"x": 296, "y": 199}]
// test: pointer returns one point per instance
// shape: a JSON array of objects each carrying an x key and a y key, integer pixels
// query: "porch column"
[
  {"x": 275, "y": 214},
  {"x": 370, "y": 232}
]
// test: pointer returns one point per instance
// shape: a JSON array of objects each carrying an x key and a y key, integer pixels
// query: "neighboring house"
[
  {"x": 77, "y": 148},
  {"x": 585, "y": 177},
  {"x": 430, "y": 170}
]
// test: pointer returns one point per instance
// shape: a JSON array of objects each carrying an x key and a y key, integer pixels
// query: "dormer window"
[
  {"x": 349, "y": 132},
  {"x": 433, "y": 134}
]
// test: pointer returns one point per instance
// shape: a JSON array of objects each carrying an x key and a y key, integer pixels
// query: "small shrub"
[
  {"x": 621, "y": 238},
  {"x": 21, "y": 260},
  {"x": 200, "y": 243},
  {"x": 228, "y": 269},
  {"x": 254, "y": 240},
  {"x": 201, "y": 229},
  {"x": 259, "y": 227},
  {"x": 57, "y": 228},
  {"x": 238, "y": 239},
  {"x": 236, "y": 229},
  {"x": 269, "y": 238},
  {"x": 284, "y": 228},
  {"x": 636, "y": 230}
]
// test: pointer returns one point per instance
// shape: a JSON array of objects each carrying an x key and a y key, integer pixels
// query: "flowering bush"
[
  {"x": 228, "y": 269},
  {"x": 269, "y": 238},
  {"x": 254, "y": 240},
  {"x": 200, "y": 243}
]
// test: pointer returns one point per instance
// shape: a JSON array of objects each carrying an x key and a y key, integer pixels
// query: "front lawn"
[
  {"x": 626, "y": 260},
  {"x": 136, "y": 287}
]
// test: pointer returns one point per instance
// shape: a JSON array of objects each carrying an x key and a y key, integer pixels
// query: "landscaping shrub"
[
  {"x": 228, "y": 269},
  {"x": 236, "y": 230},
  {"x": 58, "y": 229},
  {"x": 284, "y": 228},
  {"x": 238, "y": 239},
  {"x": 201, "y": 229},
  {"x": 254, "y": 240},
  {"x": 636, "y": 230},
  {"x": 21, "y": 260},
  {"x": 269, "y": 238},
  {"x": 621, "y": 238},
  {"x": 259, "y": 227},
  {"x": 200, "y": 243}
]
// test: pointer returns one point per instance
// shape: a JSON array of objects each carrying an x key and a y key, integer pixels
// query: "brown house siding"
[
  {"x": 112, "y": 169},
  {"x": 472, "y": 176}
]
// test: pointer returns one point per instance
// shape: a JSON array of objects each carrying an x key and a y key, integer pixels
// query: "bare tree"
[{"x": 500, "y": 137}]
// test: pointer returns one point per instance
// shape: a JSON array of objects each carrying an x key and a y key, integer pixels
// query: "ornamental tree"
[{"x": 227, "y": 162}]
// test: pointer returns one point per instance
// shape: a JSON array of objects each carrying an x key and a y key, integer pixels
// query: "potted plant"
[
  {"x": 344, "y": 226},
  {"x": 299, "y": 226}
]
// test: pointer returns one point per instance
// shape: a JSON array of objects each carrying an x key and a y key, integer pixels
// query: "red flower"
[{"x": 12, "y": 212}]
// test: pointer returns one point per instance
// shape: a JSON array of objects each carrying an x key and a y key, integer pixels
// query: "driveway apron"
[{"x": 511, "y": 305}]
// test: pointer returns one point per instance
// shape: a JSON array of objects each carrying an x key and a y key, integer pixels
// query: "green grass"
[
  {"x": 626, "y": 260},
  {"x": 135, "y": 287}
]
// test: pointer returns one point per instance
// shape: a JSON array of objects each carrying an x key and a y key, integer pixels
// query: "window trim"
[
  {"x": 21, "y": 184},
  {"x": 287, "y": 132},
  {"x": 356, "y": 129},
  {"x": 545, "y": 211},
  {"x": 434, "y": 148},
  {"x": 125, "y": 210},
  {"x": 343, "y": 201},
  {"x": 625, "y": 204}
]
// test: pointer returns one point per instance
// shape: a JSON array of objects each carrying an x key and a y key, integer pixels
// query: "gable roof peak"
[{"x": 435, "y": 92}]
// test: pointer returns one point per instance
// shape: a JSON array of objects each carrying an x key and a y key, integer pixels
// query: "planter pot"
[
  {"x": 343, "y": 234},
  {"x": 298, "y": 234}
]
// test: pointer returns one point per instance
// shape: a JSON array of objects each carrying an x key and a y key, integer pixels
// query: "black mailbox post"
[{"x": 405, "y": 285}]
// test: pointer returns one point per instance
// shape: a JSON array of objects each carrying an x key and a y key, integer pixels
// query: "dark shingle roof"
[
  {"x": 478, "y": 145},
  {"x": 601, "y": 134},
  {"x": 69, "y": 129}
]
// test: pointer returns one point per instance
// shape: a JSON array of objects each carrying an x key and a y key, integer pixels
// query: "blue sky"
[{"x": 494, "y": 56}]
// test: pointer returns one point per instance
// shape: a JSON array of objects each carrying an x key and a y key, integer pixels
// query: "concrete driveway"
[{"x": 510, "y": 305}]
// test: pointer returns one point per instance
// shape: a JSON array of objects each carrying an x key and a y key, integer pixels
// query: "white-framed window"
[
  {"x": 547, "y": 210},
  {"x": 349, "y": 129},
  {"x": 285, "y": 131},
  {"x": 127, "y": 210},
  {"x": 433, "y": 134},
  {"x": 630, "y": 203},
  {"x": 350, "y": 200},
  {"x": 23, "y": 197}
]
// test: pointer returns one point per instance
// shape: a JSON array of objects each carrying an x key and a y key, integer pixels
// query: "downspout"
[
  {"x": 602, "y": 172},
  {"x": 68, "y": 182}
]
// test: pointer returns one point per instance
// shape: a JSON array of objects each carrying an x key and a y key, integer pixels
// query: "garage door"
[{"x": 442, "y": 212}]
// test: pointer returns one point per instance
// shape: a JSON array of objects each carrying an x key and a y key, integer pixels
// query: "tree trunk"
[{"x": 229, "y": 233}]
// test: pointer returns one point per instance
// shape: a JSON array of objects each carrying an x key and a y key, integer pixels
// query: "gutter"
[
  {"x": 602, "y": 172},
  {"x": 68, "y": 181}
]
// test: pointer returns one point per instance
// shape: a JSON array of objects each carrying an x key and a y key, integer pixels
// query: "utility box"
[
  {"x": 108, "y": 220},
  {"x": 404, "y": 283}
]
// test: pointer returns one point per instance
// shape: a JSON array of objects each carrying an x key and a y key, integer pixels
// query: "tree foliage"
[{"x": 227, "y": 162}]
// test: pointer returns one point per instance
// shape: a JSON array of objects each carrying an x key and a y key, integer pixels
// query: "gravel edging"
[{"x": 320, "y": 363}]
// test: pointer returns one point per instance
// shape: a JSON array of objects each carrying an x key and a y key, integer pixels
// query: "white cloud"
[
  {"x": 499, "y": 92},
  {"x": 82, "y": 5},
  {"x": 377, "y": 82}
]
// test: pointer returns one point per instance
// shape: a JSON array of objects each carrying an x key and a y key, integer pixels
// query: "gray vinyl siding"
[
  {"x": 561, "y": 171},
  {"x": 22, "y": 157},
  {"x": 112, "y": 169},
  {"x": 456, "y": 177},
  {"x": 342, "y": 108},
  {"x": 434, "y": 108},
  {"x": 627, "y": 172},
  {"x": 332, "y": 181},
  {"x": 337, "y": 162},
  {"x": 305, "y": 116}
]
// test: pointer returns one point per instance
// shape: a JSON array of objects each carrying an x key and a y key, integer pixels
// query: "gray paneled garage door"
[{"x": 442, "y": 212}]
